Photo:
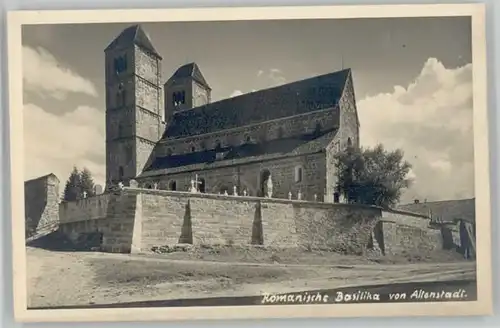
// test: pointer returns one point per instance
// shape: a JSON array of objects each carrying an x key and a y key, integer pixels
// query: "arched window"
[
  {"x": 179, "y": 98},
  {"x": 298, "y": 174},
  {"x": 201, "y": 187},
  {"x": 120, "y": 172},
  {"x": 336, "y": 197},
  {"x": 349, "y": 142},
  {"x": 264, "y": 175},
  {"x": 173, "y": 185}
]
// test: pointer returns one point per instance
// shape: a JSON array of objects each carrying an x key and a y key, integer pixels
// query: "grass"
[
  {"x": 252, "y": 254},
  {"x": 112, "y": 272}
]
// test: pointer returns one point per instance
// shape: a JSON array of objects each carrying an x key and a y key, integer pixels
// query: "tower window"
[
  {"x": 349, "y": 142},
  {"x": 120, "y": 64},
  {"x": 179, "y": 98},
  {"x": 120, "y": 172}
]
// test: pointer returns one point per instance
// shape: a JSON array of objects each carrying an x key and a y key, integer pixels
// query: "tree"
[
  {"x": 372, "y": 176},
  {"x": 72, "y": 190},
  {"x": 86, "y": 183}
]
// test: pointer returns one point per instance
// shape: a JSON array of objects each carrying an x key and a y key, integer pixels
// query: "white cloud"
[
  {"x": 260, "y": 72},
  {"x": 54, "y": 144},
  {"x": 235, "y": 93},
  {"x": 43, "y": 74},
  {"x": 431, "y": 120},
  {"x": 276, "y": 76}
]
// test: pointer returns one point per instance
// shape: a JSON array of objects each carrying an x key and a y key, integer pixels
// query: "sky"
[{"x": 412, "y": 80}]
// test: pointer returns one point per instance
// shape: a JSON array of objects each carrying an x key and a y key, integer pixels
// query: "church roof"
[
  {"x": 270, "y": 149},
  {"x": 190, "y": 70},
  {"x": 133, "y": 35},
  {"x": 291, "y": 99}
]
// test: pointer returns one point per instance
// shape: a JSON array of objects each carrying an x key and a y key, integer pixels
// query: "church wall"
[
  {"x": 139, "y": 219},
  {"x": 41, "y": 199},
  {"x": 179, "y": 85},
  {"x": 348, "y": 130},
  {"x": 147, "y": 66},
  {"x": 247, "y": 177},
  {"x": 282, "y": 128},
  {"x": 147, "y": 95},
  {"x": 348, "y": 119},
  {"x": 147, "y": 126},
  {"x": 144, "y": 149},
  {"x": 120, "y": 153},
  {"x": 120, "y": 123}
]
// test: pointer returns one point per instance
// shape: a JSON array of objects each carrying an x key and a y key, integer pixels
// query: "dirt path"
[
  {"x": 64, "y": 278},
  {"x": 56, "y": 278}
]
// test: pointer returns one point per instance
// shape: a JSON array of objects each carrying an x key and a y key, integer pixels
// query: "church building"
[{"x": 166, "y": 134}]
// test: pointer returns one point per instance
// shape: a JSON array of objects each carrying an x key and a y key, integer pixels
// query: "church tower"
[
  {"x": 133, "y": 104},
  {"x": 186, "y": 89}
]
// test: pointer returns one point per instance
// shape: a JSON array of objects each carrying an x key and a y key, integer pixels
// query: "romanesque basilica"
[{"x": 169, "y": 134}]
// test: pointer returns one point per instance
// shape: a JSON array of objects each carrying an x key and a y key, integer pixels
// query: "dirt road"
[{"x": 77, "y": 278}]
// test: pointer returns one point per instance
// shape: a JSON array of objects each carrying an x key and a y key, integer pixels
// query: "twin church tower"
[{"x": 138, "y": 105}]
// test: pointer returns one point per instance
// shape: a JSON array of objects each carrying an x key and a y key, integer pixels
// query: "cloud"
[
  {"x": 235, "y": 93},
  {"x": 276, "y": 76},
  {"x": 54, "y": 144},
  {"x": 431, "y": 120},
  {"x": 273, "y": 77},
  {"x": 44, "y": 75}
]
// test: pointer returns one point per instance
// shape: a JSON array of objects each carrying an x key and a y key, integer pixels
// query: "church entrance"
[{"x": 264, "y": 175}]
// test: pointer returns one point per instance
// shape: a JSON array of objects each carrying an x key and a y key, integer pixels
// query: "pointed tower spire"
[{"x": 134, "y": 34}]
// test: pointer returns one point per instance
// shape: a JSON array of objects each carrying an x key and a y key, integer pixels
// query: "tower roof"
[
  {"x": 133, "y": 35},
  {"x": 190, "y": 70}
]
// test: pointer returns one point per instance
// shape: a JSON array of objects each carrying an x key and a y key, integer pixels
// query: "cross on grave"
[{"x": 84, "y": 194}]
